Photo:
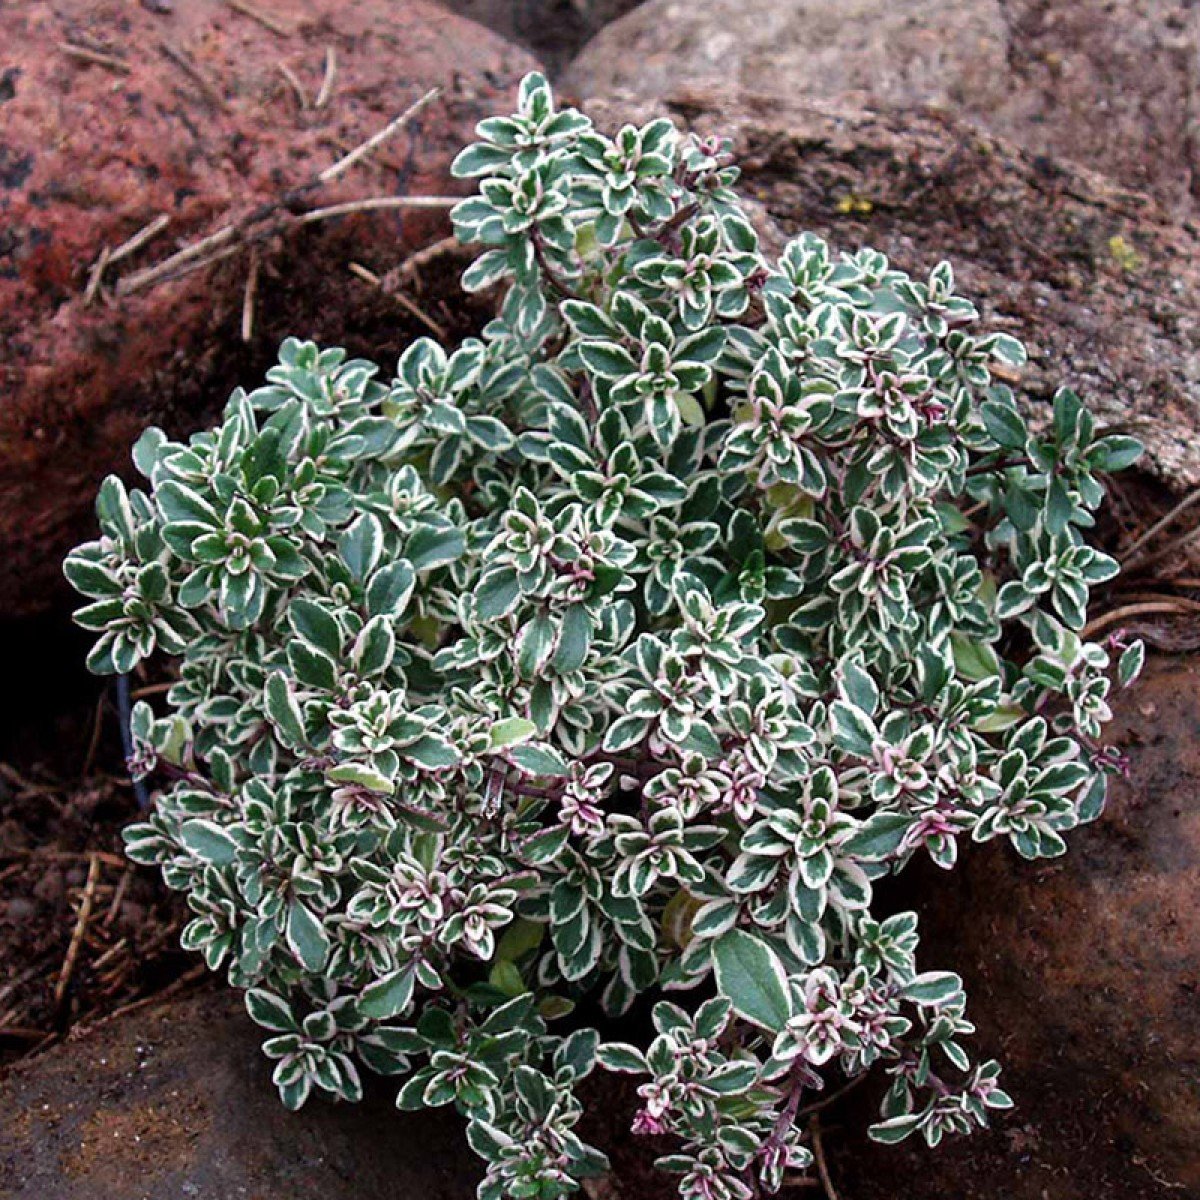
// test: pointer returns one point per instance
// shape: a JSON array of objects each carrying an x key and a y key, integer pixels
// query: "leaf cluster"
[{"x": 621, "y": 650}]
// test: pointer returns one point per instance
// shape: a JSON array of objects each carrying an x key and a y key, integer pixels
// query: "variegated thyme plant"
[{"x": 617, "y": 652}]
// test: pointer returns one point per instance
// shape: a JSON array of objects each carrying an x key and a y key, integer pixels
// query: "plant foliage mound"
[{"x": 615, "y": 653}]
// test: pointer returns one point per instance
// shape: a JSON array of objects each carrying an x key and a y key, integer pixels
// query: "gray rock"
[
  {"x": 1109, "y": 85},
  {"x": 893, "y": 52},
  {"x": 177, "y": 1101}
]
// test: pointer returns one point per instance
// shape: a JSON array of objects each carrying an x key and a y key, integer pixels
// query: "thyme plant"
[{"x": 616, "y": 653}]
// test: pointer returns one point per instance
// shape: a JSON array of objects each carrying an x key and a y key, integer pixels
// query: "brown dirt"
[{"x": 58, "y": 810}]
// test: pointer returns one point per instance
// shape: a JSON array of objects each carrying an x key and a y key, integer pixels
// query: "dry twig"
[
  {"x": 172, "y": 989},
  {"x": 107, "y": 257},
  {"x": 153, "y": 689},
  {"x": 100, "y": 963},
  {"x": 410, "y": 306},
  {"x": 81, "y": 923},
  {"x": 248, "y": 298},
  {"x": 118, "y": 898},
  {"x": 96, "y": 275},
  {"x": 1131, "y": 551},
  {"x": 51, "y": 855},
  {"x": 272, "y": 218},
  {"x": 148, "y": 231},
  {"x": 207, "y": 249},
  {"x": 1172, "y": 547},
  {"x": 184, "y": 62},
  {"x": 25, "y": 1033},
  {"x": 340, "y": 167},
  {"x": 412, "y": 265},
  {"x": 94, "y": 741},
  {"x": 13, "y": 985},
  {"x": 264, "y": 19},
  {"x": 296, "y": 86},
  {"x": 819, "y": 1155},
  {"x": 27, "y": 786},
  {"x": 1167, "y": 607},
  {"x": 326, "y": 92},
  {"x": 99, "y": 57},
  {"x": 375, "y": 203}
]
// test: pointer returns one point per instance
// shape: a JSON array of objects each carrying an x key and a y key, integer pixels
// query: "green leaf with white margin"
[
  {"x": 362, "y": 775},
  {"x": 432, "y": 752},
  {"x": 1130, "y": 665},
  {"x": 432, "y": 547},
  {"x": 1004, "y": 424},
  {"x": 608, "y": 360},
  {"x": 389, "y": 996},
  {"x": 270, "y": 1011},
  {"x": 390, "y": 589},
  {"x": 534, "y": 646},
  {"x": 888, "y": 1133},
  {"x": 283, "y": 709},
  {"x": 538, "y": 759},
  {"x": 208, "y": 841},
  {"x": 624, "y": 732},
  {"x": 751, "y": 977},
  {"x": 509, "y": 732},
  {"x": 315, "y": 627},
  {"x": 496, "y": 594},
  {"x": 853, "y": 731},
  {"x": 858, "y": 687},
  {"x": 374, "y": 647},
  {"x": 623, "y": 1058},
  {"x": 932, "y": 987},
  {"x": 878, "y": 837},
  {"x": 574, "y": 639},
  {"x": 306, "y": 936},
  {"x": 1012, "y": 600}
]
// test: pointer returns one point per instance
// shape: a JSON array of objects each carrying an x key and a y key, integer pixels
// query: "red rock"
[{"x": 200, "y": 126}]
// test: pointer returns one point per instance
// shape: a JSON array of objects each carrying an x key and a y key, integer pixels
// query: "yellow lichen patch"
[{"x": 1123, "y": 254}]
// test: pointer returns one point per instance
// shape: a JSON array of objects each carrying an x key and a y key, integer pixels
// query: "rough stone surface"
[
  {"x": 176, "y": 1103},
  {"x": 201, "y": 126},
  {"x": 1111, "y": 85},
  {"x": 1108, "y": 83},
  {"x": 876, "y": 52},
  {"x": 1031, "y": 240}
]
